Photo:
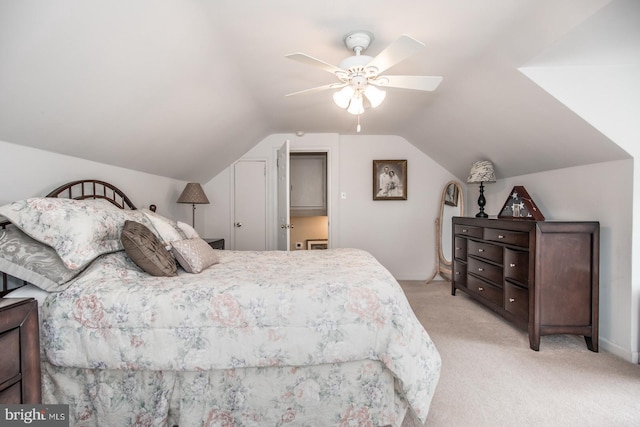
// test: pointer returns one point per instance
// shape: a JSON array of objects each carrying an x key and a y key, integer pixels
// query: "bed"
[{"x": 243, "y": 338}]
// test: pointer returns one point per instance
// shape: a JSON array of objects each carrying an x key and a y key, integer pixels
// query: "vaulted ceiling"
[{"x": 183, "y": 88}]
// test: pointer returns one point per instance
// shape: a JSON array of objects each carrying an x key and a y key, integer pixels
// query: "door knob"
[{"x": 237, "y": 224}]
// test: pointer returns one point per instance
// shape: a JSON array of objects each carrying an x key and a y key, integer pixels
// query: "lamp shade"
[
  {"x": 374, "y": 95},
  {"x": 482, "y": 171},
  {"x": 356, "y": 106},
  {"x": 342, "y": 98},
  {"x": 193, "y": 194},
  {"x": 353, "y": 98}
]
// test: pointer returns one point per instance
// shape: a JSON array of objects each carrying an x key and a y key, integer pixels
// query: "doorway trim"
[{"x": 330, "y": 211}]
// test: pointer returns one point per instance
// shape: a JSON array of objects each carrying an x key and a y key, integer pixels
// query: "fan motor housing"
[
  {"x": 358, "y": 41},
  {"x": 355, "y": 63}
]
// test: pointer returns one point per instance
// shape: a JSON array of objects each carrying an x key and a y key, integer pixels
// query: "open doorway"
[{"x": 308, "y": 201}]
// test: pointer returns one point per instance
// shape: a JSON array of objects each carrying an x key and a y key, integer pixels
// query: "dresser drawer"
[
  {"x": 516, "y": 301},
  {"x": 490, "y": 292},
  {"x": 10, "y": 345},
  {"x": 19, "y": 351},
  {"x": 516, "y": 238},
  {"x": 11, "y": 395},
  {"x": 485, "y": 270},
  {"x": 460, "y": 273},
  {"x": 516, "y": 265},
  {"x": 460, "y": 248},
  {"x": 468, "y": 230},
  {"x": 486, "y": 251}
]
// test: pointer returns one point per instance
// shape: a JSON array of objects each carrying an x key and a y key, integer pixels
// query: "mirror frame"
[{"x": 443, "y": 265}]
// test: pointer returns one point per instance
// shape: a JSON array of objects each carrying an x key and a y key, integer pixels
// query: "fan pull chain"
[{"x": 358, "y": 128}]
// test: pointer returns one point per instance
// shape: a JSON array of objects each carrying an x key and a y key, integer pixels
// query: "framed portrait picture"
[
  {"x": 389, "y": 180},
  {"x": 520, "y": 205}
]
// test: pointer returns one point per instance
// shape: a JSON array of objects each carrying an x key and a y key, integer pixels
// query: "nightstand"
[
  {"x": 215, "y": 243},
  {"x": 19, "y": 351}
]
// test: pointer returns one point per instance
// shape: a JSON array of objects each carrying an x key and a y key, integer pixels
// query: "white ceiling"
[{"x": 183, "y": 88}]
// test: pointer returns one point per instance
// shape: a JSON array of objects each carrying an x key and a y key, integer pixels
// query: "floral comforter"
[{"x": 251, "y": 310}]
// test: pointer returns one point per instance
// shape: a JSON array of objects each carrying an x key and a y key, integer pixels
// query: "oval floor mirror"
[{"x": 451, "y": 204}]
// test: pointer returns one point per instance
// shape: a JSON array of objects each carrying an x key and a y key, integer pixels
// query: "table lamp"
[
  {"x": 194, "y": 194},
  {"x": 481, "y": 171}
]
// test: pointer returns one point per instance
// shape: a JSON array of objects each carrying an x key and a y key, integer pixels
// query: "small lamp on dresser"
[
  {"x": 481, "y": 171},
  {"x": 194, "y": 194}
]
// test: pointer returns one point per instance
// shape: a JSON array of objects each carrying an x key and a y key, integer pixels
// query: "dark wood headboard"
[
  {"x": 80, "y": 190},
  {"x": 93, "y": 189}
]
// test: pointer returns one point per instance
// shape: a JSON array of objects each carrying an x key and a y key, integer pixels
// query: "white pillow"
[
  {"x": 166, "y": 229},
  {"x": 188, "y": 230}
]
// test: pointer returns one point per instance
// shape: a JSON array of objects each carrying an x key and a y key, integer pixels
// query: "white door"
[
  {"x": 284, "y": 226},
  {"x": 250, "y": 212}
]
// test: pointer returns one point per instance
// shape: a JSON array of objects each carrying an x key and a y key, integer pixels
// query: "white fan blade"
[
  {"x": 306, "y": 59},
  {"x": 401, "y": 49},
  {"x": 427, "y": 83},
  {"x": 318, "y": 89}
]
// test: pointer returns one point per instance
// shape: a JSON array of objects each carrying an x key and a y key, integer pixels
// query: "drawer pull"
[
  {"x": 457, "y": 249},
  {"x": 457, "y": 273},
  {"x": 480, "y": 269},
  {"x": 464, "y": 230},
  {"x": 500, "y": 236},
  {"x": 512, "y": 265},
  {"x": 481, "y": 288},
  {"x": 480, "y": 250},
  {"x": 512, "y": 299}
]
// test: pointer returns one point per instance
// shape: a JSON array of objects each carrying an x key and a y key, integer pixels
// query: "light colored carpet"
[{"x": 490, "y": 376}]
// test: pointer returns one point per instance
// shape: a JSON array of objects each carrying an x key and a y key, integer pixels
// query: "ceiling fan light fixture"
[
  {"x": 342, "y": 98},
  {"x": 356, "y": 106},
  {"x": 359, "y": 75},
  {"x": 374, "y": 95}
]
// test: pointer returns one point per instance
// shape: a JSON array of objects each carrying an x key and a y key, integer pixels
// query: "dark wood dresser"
[
  {"x": 541, "y": 275},
  {"x": 19, "y": 351}
]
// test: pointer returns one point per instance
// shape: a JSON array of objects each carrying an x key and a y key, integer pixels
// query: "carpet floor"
[{"x": 490, "y": 376}]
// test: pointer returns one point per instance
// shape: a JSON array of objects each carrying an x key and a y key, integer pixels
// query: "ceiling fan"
[{"x": 360, "y": 79}]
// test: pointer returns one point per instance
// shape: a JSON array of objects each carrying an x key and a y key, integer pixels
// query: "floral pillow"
[
  {"x": 78, "y": 230},
  {"x": 31, "y": 261}
]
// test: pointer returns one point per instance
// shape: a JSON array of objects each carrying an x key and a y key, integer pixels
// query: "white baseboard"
[{"x": 624, "y": 353}]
